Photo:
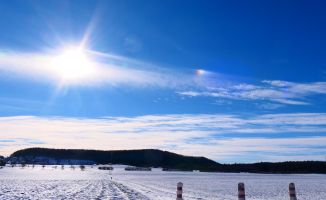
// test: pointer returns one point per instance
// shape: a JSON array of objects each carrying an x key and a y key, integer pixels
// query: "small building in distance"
[
  {"x": 105, "y": 167},
  {"x": 138, "y": 169}
]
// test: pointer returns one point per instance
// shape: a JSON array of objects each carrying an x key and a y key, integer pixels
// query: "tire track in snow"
[{"x": 130, "y": 193}]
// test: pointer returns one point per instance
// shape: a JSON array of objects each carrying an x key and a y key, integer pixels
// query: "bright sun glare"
[{"x": 73, "y": 64}]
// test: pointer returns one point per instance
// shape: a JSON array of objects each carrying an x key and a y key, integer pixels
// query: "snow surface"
[{"x": 68, "y": 183}]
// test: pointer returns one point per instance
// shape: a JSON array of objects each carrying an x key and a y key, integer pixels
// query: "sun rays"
[{"x": 73, "y": 65}]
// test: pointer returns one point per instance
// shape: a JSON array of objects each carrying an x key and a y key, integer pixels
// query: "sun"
[{"x": 72, "y": 64}]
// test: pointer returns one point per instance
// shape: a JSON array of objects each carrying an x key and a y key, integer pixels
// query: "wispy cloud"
[
  {"x": 113, "y": 70},
  {"x": 283, "y": 92},
  {"x": 220, "y": 137}
]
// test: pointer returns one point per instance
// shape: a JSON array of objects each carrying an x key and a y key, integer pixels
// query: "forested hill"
[
  {"x": 165, "y": 159},
  {"x": 141, "y": 158}
]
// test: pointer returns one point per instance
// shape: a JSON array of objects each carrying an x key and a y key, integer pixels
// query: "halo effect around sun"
[{"x": 72, "y": 65}]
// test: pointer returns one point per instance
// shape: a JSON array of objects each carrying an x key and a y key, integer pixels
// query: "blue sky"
[{"x": 236, "y": 81}]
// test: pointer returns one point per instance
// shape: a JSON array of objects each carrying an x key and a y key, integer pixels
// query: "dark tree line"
[
  {"x": 168, "y": 160},
  {"x": 2, "y": 161},
  {"x": 278, "y": 167}
]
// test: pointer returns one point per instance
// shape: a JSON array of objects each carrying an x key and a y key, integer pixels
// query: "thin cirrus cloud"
[
  {"x": 114, "y": 70},
  {"x": 224, "y": 138},
  {"x": 281, "y": 92}
]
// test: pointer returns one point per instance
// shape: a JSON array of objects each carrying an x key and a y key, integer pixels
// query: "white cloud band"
[{"x": 220, "y": 137}]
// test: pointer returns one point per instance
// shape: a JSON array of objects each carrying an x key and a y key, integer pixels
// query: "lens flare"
[{"x": 200, "y": 72}]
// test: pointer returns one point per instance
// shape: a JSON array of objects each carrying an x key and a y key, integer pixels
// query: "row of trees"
[
  {"x": 23, "y": 165},
  {"x": 2, "y": 161},
  {"x": 279, "y": 167}
]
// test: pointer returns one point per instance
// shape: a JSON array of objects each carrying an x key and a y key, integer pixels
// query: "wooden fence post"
[
  {"x": 179, "y": 191},
  {"x": 292, "y": 193},
  {"x": 241, "y": 191}
]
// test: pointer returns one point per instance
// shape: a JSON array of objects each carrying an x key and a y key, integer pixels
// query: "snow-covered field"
[{"x": 67, "y": 183}]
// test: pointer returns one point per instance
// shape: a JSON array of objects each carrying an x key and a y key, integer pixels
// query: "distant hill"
[
  {"x": 140, "y": 158},
  {"x": 158, "y": 158}
]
